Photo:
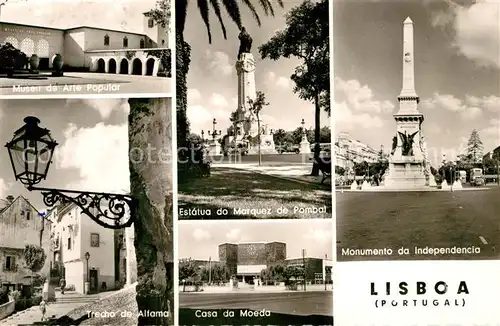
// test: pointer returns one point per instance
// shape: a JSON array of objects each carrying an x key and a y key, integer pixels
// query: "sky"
[
  {"x": 201, "y": 240},
  {"x": 457, "y": 71},
  {"x": 212, "y": 79},
  {"x": 124, "y": 15},
  {"x": 92, "y": 153}
]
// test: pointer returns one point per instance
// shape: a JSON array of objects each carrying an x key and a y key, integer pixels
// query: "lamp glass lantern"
[
  {"x": 30, "y": 152},
  {"x": 87, "y": 256}
]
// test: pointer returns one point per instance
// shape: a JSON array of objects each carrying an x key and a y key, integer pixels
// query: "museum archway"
[
  {"x": 124, "y": 67},
  {"x": 150, "y": 66},
  {"x": 101, "y": 66},
  {"x": 137, "y": 67},
  {"x": 112, "y": 66}
]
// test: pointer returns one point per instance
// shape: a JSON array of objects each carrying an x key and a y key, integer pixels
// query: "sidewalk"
[{"x": 259, "y": 289}]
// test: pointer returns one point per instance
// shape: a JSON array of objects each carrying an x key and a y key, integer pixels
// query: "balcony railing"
[{"x": 11, "y": 269}]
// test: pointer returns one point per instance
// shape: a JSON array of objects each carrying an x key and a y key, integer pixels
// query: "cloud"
[
  {"x": 4, "y": 188},
  {"x": 273, "y": 81},
  {"x": 219, "y": 63},
  {"x": 218, "y": 100},
  {"x": 319, "y": 236},
  {"x": 201, "y": 235},
  {"x": 104, "y": 106},
  {"x": 234, "y": 235},
  {"x": 200, "y": 117},
  {"x": 193, "y": 95},
  {"x": 476, "y": 30},
  {"x": 101, "y": 155},
  {"x": 360, "y": 98},
  {"x": 468, "y": 109},
  {"x": 347, "y": 120}
]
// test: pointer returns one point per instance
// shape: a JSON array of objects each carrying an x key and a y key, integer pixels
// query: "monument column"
[
  {"x": 245, "y": 68},
  {"x": 407, "y": 164}
]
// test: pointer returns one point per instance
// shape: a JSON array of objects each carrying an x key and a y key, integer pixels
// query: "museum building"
[{"x": 93, "y": 49}]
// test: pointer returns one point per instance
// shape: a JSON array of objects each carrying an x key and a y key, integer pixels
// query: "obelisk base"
[{"x": 406, "y": 174}]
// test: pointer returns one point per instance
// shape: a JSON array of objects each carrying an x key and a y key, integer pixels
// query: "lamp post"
[
  {"x": 31, "y": 151},
  {"x": 87, "y": 283},
  {"x": 214, "y": 133},
  {"x": 452, "y": 174},
  {"x": 304, "y": 262},
  {"x": 209, "y": 270},
  {"x": 326, "y": 256}
]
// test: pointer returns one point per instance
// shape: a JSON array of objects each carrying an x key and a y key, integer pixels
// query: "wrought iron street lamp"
[
  {"x": 87, "y": 257},
  {"x": 31, "y": 151},
  {"x": 214, "y": 133}
]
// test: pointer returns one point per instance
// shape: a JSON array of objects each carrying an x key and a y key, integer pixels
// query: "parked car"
[
  {"x": 478, "y": 182},
  {"x": 288, "y": 148}
]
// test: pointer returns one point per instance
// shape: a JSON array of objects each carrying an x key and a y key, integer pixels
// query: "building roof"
[
  {"x": 72, "y": 28},
  {"x": 27, "y": 201}
]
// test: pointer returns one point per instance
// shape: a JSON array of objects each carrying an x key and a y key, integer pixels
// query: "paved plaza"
[
  {"x": 444, "y": 219},
  {"x": 84, "y": 83}
]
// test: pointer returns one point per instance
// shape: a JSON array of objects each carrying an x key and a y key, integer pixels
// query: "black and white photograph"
[
  {"x": 255, "y": 272},
  {"x": 417, "y": 128},
  {"x": 85, "y": 187},
  {"x": 60, "y": 48},
  {"x": 253, "y": 111}
]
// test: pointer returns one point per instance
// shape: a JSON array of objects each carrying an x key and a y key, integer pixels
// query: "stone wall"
[{"x": 7, "y": 309}]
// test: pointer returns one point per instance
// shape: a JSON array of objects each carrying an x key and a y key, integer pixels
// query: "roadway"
[{"x": 309, "y": 307}]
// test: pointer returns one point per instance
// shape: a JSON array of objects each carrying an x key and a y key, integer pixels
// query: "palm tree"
[{"x": 183, "y": 49}]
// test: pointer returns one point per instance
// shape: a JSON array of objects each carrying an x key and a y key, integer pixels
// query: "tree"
[
  {"x": 188, "y": 269},
  {"x": 255, "y": 107},
  {"x": 34, "y": 257},
  {"x": 306, "y": 37},
  {"x": 279, "y": 136},
  {"x": 150, "y": 127},
  {"x": 183, "y": 50},
  {"x": 475, "y": 146}
]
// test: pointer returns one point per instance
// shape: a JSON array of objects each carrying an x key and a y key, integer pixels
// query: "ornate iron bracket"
[{"x": 91, "y": 204}]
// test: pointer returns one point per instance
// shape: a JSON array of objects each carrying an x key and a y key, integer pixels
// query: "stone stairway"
[{"x": 64, "y": 304}]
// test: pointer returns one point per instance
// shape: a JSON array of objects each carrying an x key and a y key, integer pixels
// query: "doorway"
[{"x": 94, "y": 280}]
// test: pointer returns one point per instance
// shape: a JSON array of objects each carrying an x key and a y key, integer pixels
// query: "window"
[
  {"x": 10, "y": 263},
  {"x": 125, "y": 42},
  {"x": 28, "y": 216},
  {"x": 94, "y": 239},
  {"x": 151, "y": 23},
  {"x": 142, "y": 44},
  {"x": 106, "y": 39},
  {"x": 69, "y": 243}
]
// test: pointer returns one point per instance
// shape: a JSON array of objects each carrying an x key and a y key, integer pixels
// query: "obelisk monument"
[
  {"x": 245, "y": 125},
  {"x": 407, "y": 163}
]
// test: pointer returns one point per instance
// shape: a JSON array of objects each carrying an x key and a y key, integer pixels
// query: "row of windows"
[
  {"x": 125, "y": 42},
  {"x": 94, "y": 240}
]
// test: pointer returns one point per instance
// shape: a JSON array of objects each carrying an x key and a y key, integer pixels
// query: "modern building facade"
[
  {"x": 21, "y": 224},
  {"x": 76, "y": 234},
  {"x": 246, "y": 261},
  {"x": 91, "y": 48}
]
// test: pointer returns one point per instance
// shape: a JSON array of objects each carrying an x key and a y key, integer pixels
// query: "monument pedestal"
[
  {"x": 432, "y": 181},
  {"x": 354, "y": 185},
  {"x": 214, "y": 148},
  {"x": 305, "y": 147},
  {"x": 406, "y": 173}
]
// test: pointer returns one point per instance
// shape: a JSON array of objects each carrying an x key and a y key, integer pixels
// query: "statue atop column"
[{"x": 245, "y": 42}]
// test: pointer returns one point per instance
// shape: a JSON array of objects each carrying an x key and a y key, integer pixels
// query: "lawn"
[
  {"x": 377, "y": 220},
  {"x": 246, "y": 195}
]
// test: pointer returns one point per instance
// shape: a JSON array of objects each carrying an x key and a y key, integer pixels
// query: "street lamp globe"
[
  {"x": 30, "y": 151},
  {"x": 87, "y": 255}
]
